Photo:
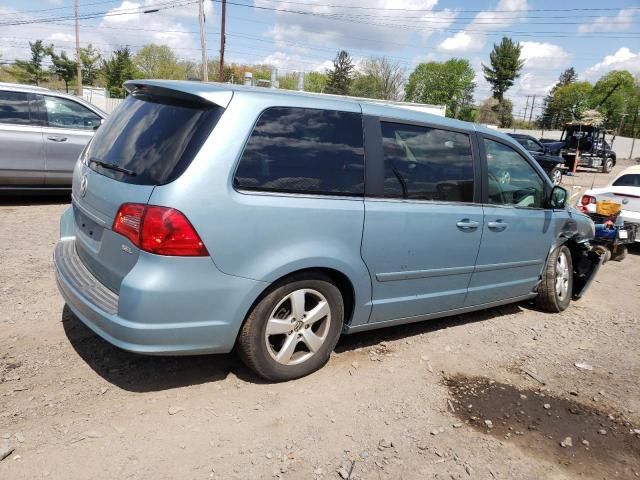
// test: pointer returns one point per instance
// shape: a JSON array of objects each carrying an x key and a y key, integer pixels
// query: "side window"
[
  {"x": 426, "y": 163},
  {"x": 512, "y": 180},
  {"x": 302, "y": 150},
  {"x": 14, "y": 108},
  {"x": 65, "y": 113}
]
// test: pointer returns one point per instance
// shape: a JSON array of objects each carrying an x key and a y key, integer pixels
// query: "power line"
[{"x": 119, "y": 12}]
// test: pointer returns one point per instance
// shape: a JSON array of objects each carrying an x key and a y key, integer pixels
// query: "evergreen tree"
[
  {"x": 64, "y": 68},
  {"x": 117, "y": 70},
  {"x": 340, "y": 77},
  {"x": 505, "y": 67}
]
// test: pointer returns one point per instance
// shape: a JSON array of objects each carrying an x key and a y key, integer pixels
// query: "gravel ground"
[{"x": 488, "y": 395}]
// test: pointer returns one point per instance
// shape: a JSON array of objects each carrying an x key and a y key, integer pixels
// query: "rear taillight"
[
  {"x": 159, "y": 230},
  {"x": 128, "y": 221},
  {"x": 587, "y": 199},
  {"x": 584, "y": 201}
]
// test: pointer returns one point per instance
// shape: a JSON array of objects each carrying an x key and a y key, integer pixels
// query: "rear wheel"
[
  {"x": 293, "y": 329},
  {"x": 556, "y": 176},
  {"x": 555, "y": 290},
  {"x": 608, "y": 164}
]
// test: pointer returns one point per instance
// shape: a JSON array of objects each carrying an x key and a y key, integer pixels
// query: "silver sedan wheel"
[
  {"x": 504, "y": 177},
  {"x": 562, "y": 276},
  {"x": 298, "y": 327}
]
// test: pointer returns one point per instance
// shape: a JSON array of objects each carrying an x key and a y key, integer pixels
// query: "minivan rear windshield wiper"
[{"x": 111, "y": 166}]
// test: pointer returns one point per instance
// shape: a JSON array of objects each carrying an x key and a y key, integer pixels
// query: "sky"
[{"x": 304, "y": 35}]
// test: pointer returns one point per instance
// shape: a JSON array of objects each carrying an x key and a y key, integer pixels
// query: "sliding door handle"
[{"x": 466, "y": 224}]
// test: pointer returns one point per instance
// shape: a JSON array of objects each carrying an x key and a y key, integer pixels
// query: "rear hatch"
[{"x": 149, "y": 140}]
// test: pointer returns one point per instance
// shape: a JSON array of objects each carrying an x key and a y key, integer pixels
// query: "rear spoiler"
[{"x": 190, "y": 94}]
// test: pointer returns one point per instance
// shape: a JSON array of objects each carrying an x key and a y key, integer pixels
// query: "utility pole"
[
  {"x": 533, "y": 102},
  {"x": 78, "y": 61},
  {"x": 203, "y": 42},
  {"x": 222, "y": 38},
  {"x": 526, "y": 106}
]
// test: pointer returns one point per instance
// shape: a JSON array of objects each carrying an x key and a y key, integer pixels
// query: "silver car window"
[{"x": 65, "y": 113}]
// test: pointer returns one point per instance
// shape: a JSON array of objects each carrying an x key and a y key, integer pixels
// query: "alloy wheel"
[
  {"x": 562, "y": 276},
  {"x": 298, "y": 327}
]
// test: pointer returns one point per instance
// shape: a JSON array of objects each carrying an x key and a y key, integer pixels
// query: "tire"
[
  {"x": 554, "y": 294},
  {"x": 293, "y": 347},
  {"x": 619, "y": 254},
  {"x": 556, "y": 176},
  {"x": 608, "y": 164}
]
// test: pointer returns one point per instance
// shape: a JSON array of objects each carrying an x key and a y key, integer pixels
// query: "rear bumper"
[{"x": 166, "y": 306}]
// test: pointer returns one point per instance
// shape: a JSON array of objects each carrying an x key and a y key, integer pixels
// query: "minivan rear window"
[{"x": 151, "y": 140}]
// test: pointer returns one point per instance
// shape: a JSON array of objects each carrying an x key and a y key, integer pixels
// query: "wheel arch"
[{"x": 338, "y": 278}]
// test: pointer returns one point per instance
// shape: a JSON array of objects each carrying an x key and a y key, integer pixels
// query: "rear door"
[
  {"x": 518, "y": 231},
  {"x": 21, "y": 148},
  {"x": 154, "y": 137},
  {"x": 422, "y": 221},
  {"x": 68, "y": 127}
]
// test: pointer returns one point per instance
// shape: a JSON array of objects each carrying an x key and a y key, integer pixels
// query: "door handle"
[
  {"x": 497, "y": 226},
  {"x": 56, "y": 138},
  {"x": 466, "y": 224}
]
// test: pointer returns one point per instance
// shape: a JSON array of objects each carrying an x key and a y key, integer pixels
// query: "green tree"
[
  {"x": 288, "y": 81},
  {"x": 158, "y": 61},
  {"x": 505, "y": 66},
  {"x": 378, "y": 78},
  {"x": 64, "y": 68},
  {"x": 89, "y": 64},
  {"x": 340, "y": 76},
  {"x": 571, "y": 100},
  {"x": 31, "y": 71},
  {"x": 551, "y": 117},
  {"x": 612, "y": 96},
  {"x": 447, "y": 83},
  {"x": 117, "y": 70},
  {"x": 315, "y": 82}
]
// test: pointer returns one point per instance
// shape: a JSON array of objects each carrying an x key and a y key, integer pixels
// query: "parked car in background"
[
  {"x": 42, "y": 133},
  {"x": 552, "y": 164},
  {"x": 209, "y": 217},
  {"x": 624, "y": 189}
]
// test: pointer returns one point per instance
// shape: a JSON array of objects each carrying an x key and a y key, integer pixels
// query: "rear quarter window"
[
  {"x": 303, "y": 150},
  {"x": 154, "y": 137}
]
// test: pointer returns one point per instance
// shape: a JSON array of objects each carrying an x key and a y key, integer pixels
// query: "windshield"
[{"x": 150, "y": 140}]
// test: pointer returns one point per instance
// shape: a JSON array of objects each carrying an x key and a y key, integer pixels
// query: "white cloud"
[
  {"x": 381, "y": 25},
  {"x": 460, "y": 42},
  {"x": 474, "y": 36},
  {"x": 543, "y": 54},
  {"x": 622, "y": 21},
  {"x": 623, "y": 59}
]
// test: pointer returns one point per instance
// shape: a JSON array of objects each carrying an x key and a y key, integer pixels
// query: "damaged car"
[{"x": 209, "y": 217}]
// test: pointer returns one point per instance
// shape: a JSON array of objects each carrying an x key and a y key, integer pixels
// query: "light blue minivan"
[{"x": 208, "y": 217}]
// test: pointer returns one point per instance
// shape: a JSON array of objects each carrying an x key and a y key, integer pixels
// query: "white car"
[{"x": 624, "y": 189}]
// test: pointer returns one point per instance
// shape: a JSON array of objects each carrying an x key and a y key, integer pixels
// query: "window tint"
[
  {"x": 65, "y": 113},
  {"x": 426, "y": 163},
  {"x": 512, "y": 180},
  {"x": 155, "y": 140},
  {"x": 303, "y": 150},
  {"x": 14, "y": 108},
  {"x": 632, "y": 180}
]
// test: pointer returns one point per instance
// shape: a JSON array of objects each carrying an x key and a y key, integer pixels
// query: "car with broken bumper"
[{"x": 207, "y": 218}]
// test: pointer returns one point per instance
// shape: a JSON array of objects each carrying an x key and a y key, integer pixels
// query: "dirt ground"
[{"x": 488, "y": 395}]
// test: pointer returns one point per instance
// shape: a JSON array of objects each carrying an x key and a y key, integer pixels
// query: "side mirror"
[{"x": 558, "y": 198}]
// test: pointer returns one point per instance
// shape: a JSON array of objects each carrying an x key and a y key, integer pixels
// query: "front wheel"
[
  {"x": 556, "y": 287},
  {"x": 608, "y": 164},
  {"x": 293, "y": 329}
]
